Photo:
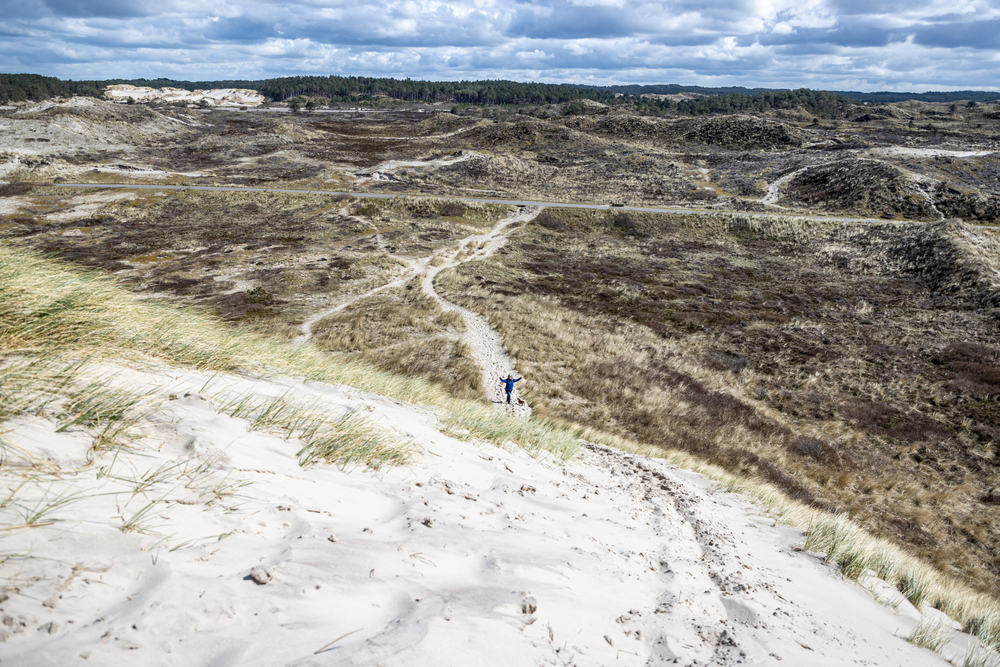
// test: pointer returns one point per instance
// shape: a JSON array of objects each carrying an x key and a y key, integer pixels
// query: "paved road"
[{"x": 511, "y": 202}]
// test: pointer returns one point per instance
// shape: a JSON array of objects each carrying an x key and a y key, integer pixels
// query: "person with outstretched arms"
[{"x": 508, "y": 384}]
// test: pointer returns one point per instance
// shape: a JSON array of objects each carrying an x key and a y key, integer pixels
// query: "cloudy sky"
[{"x": 912, "y": 45}]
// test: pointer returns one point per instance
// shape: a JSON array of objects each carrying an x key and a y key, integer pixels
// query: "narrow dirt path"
[
  {"x": 415, "y": 266},
  {"x": 483, "y": 340},
  {"x": 921, "y": 186},
  {"x": 774, "y": 189}
]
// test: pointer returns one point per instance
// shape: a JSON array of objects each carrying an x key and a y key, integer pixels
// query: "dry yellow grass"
[
  {"x": 404, "y": 331},
  {"x": 656, "y": 349}
]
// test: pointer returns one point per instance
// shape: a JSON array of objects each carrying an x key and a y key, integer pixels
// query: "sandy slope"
[
  {"x": 215, "y": 97},
  {"x": 472, "y": 555}
]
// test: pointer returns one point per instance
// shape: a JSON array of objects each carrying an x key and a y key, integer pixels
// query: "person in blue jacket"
[{"x": 508, "y": 384}]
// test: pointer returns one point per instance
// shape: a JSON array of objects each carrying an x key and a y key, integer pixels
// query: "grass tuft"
[
  {"x": 932, "y": 636},
  {"x": 469, "y": 420},
  {"x": 327, "y": 436}
]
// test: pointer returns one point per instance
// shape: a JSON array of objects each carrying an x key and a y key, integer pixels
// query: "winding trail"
[
  {"x": 919, "y": 182},
  {"x": 483, "y": 340},
  {"x": 482, "y": 200},
  {"x": 415, "y": 266}
]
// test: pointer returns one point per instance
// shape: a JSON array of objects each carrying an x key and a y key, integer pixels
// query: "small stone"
[
  {"x": 332, "y": 538},
  {"x": 51, "y": 627},
  {"x": 51, "y": 602},
  {"x": 260, "y": 576},
  {"x": 428, "y": 522}
]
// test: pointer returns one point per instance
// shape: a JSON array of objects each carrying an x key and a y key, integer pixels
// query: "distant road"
[{"x": 511, "y": 202}]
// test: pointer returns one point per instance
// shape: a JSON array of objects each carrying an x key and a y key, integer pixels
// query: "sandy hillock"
[
  {"x": 956, "y": 259},
  {"x": 525, "y": 132},
  {"x": 868, "y": 187},
  {"x": 637, "y": 128},
  {"x": 880, "y": 113},
  {"x": 94, "y": 120},
  {"x": 967, "y": 205},
  {"x": 745, "y": 133},
  {"x": 504, "y": 170},
  {"x": 231, "y": 97}
]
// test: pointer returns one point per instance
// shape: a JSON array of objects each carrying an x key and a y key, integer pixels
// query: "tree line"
[
  {"x": 817, "y": 102},
  {"x": 979, "y": 96},
  {"x": 21, "y": 87},
  {"x": 34, "y": 87}
]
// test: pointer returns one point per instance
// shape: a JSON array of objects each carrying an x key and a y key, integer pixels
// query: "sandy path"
[
  {"x": 384, "y": 169},
  {"x": 774, "y": 189},
  {"x": 415, "y": 266},
  {"x": 919, "y": 185},
  {"x": 427, "y": 137},
  {"x": 483, "y": 340},
  {"x": 889, "y": 151}
]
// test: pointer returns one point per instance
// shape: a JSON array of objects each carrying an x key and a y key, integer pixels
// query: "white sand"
[
  {"x": 217, "y": 96},
  {"x": 471, "y": 555}
]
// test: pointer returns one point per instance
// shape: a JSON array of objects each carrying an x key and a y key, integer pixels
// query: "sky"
[{"x": 901, "y": 45}]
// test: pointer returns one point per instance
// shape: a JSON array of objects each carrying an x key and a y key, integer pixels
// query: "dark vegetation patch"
[
  {"x": 745, "y": 132},
  {"x": 549, "y": 221},
  {"x": 863, "y": 186},
  {"x": 874, "y": 336},
  {"x": 15, "y": 189}
]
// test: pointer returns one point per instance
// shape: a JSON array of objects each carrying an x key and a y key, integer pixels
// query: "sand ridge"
[{"x": 472, "y": 554}]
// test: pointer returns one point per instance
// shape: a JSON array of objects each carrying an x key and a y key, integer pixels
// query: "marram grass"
[
  {"x": 465, "y": 419},
  {"x": 49, "y": 311},
  {"x": 54, "y": 319},
  {"x": 346, "y": 439}
]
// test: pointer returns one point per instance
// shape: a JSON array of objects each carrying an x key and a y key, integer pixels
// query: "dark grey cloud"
[
  {"x": 857, "y": 44},
  {"x": 565, "y": 21},
  {"x": 857, "y": 36},
  {"x": 876, "y": 7},
  {"x": 957, "y": 35},
  {"x": 106, "y": 8}
]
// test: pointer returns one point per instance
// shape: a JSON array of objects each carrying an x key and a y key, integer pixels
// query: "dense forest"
[
  {"x": 817, "y": 102},
  {"x": 953, "y": 96},
  {"x": 21, "y": 87},
  {"x": 342, "y": 88},
  {"x": 674, "y": 89},
  {"x": 881, "y": 97}
]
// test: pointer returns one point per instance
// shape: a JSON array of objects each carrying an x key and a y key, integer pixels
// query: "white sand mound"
[
  {"x": 472, "y": 555},
  {"x": 223, "y": 97},
  {"x": 73, "y": 102}
]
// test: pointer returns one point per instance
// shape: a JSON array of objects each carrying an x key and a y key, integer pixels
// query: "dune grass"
[
  {"x": 930, "y": 636},
  {"x": 346, "y": 439},
  {"x": 472, "y": 420},
  {"x": 50, "y": 312},
  {"x": 54, "y": 319}
]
